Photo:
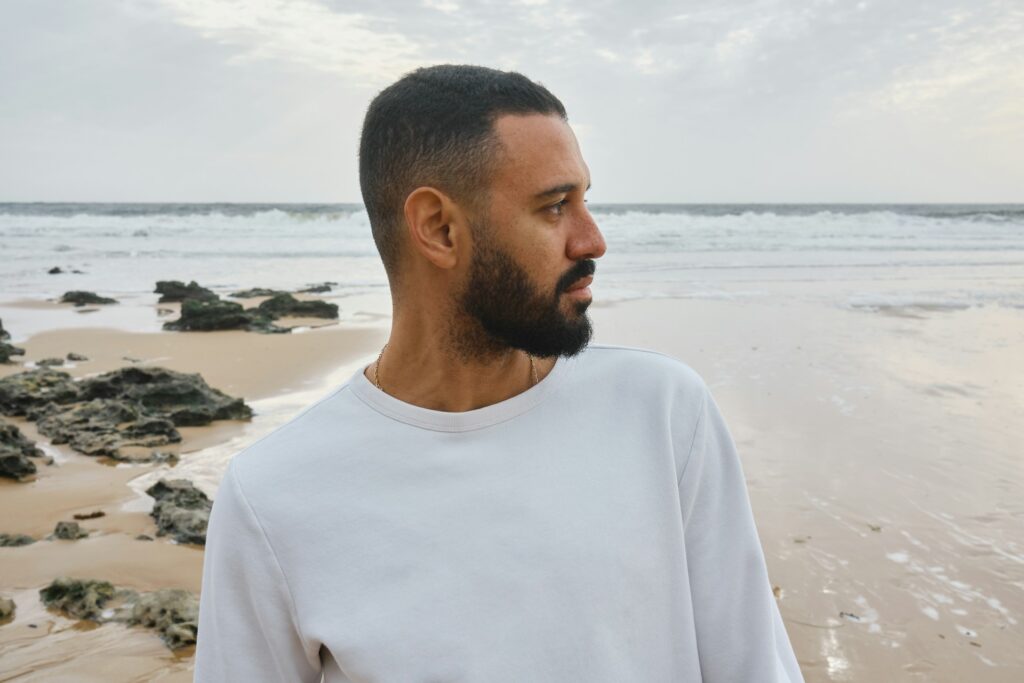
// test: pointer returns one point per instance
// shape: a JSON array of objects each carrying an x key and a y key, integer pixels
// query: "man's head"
[{"x": 474, "y": 187}]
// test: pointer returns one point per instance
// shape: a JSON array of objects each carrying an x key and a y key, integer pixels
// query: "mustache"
[{"x": 580, "y": 269}]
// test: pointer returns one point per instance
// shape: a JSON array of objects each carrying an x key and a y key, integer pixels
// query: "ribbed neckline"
[{"x": 442, "y": 421}]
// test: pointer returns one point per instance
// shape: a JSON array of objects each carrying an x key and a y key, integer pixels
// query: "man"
[{"x": 488, "y": 501}]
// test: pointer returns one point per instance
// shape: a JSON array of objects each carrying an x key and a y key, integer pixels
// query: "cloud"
[{"x": 303, "y": 32}]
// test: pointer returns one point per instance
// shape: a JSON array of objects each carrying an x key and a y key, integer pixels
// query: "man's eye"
[{"x": 557, "y": 208}]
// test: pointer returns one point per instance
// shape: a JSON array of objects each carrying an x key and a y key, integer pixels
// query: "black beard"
[{"x": 512, "y": 313}]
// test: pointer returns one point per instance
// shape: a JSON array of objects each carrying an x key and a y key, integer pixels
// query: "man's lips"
[{"x": 585, "y": 282}]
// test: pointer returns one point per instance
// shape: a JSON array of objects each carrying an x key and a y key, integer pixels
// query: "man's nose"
[{"x": 587, "y": 240}]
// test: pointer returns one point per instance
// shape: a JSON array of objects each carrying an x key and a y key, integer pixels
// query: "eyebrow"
[{"x": 558, "y": 189}]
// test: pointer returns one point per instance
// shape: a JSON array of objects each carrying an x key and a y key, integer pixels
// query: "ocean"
[{"x": 860, "y": 256}]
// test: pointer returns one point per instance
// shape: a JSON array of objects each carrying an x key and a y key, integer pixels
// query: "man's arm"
[
  {"x": 740, "y": 634},
  {"x": 247, "y": 625}
]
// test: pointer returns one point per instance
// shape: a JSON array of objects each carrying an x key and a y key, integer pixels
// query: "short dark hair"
[{"x": 435, "y": 127}]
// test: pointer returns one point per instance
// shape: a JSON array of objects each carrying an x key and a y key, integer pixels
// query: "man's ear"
[{"x": 436, "y": 226}]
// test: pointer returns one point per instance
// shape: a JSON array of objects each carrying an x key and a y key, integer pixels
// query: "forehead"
[{"x": 538, "y": 152}]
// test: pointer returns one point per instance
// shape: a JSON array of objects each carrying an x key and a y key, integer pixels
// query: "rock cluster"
[
  {"x": 15, "y": 540},
  {"x": 69, "y": 531},
  {"x": 181, "y": 510},
  {"x": 80, "y": 298},
  {"x": 15, "y": 451},
  {"x": 209, "y": 312},
  {"x": 117, "y": 412},
  {"x": 172, "y": 612}
]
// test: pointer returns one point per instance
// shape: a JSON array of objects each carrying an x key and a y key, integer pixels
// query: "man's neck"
[{"x": 420, "y": 367}]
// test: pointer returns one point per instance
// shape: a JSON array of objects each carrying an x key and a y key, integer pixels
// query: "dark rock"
[
  {"x": 6, "y": 351},
  {"x": 144, "y": 537},
  {"x": 33, "y": 388},
  {"x": 175, "y": 290},
  {"x": 7, "y": 608},
  {"x": 89, "y": 515},
  {"x": 286, "y": 304},
  {"x": 75, "y": 356},
  {"x": 49, "y": 362},
  {"x": 316, "y": 289},
  {"x": 78, "y": 272},
  {"x": 255, "y": 292},
  {"x": 4, "y": 334},
  {"x": 103, "y": 426},
  {"x": 206, "y": 316},
  {"x": 181, "y": 510},
  {"x": 55, "y": 270},
  {"x": 69, "y": 531},
  {"x": 79, "y": 298},
  {"x": 79, "y": 598},
  {"x": 184, "y": 398},
  {"x": 15, "y": 451},
  {"x": 173, "y": 612},
  {"x": 15, "y": 540}
]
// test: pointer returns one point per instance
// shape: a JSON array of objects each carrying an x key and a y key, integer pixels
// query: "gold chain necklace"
[{"x": 376, "y": 367}]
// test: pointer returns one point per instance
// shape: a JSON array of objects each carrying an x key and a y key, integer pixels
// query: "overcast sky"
[{"x": 699, "y": 101}]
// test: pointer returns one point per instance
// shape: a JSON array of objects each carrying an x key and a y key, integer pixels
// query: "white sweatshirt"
[{"x": 595, "y": 528}]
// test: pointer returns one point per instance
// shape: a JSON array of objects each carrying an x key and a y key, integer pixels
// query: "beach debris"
[
  {"x": 7, "y": 608},
  {"x": 72, "y": 356},
  {"x": 104, "y": 426},
  {"x": 184, "y": 398},
  {"x": 849, "y": 616},
  {"x": 875, "y": 527},
  {"x": 69, "y": 531},
  {"x": 49, "y": 362},
  {"x": 285, "y": 304},
  {"x": 777, "y": 592},
  {"x": 82, "y": 298},
  {"x": 801, "y": 539},
  {"x": 15, "y": 540},
  {"x": 89, "y": 515},
  {"x": 175, "y": 290},
  {"x": 255, "y": 292},
  {"x": 131, "y": 360},
  {"x": 55, "y": 270},
  {"x": 181, "y": 510},
  {"x": 15, "y": 451},
  {"x": 25, "y": 390},
  {"x": 144, "y": 537},
  {"x": 172, "y": 612}
]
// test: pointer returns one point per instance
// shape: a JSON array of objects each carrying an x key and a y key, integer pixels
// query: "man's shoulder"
[
  {"x": 292, "y": 448},
  {"x": 635, "y": 366}
]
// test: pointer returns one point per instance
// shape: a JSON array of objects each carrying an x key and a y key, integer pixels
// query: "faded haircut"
[{"x": 435, "y": 127}]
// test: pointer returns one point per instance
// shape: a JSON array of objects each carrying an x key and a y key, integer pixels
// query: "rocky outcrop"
[
  {"x": 80, "y": 298},
  {"x": 172, "y": 612},
  {"x": 207, "y": 316},
  {"x": 7, "y": 350},
  {"x": 255, "y": 292},
  {"x": 318, "y": 289},
  {"x": 15, "y": 451},
  {"x": 285, "y": 304},
  {"x": 184, "y": 398},
  {"x": 49, "y": 362},
  {"x": 104, "y": 426},
  {"x": 69, "y": 531},
  {"x": 24, "y": 391},
  {"x": 72, "y": 356},
  {"x": 112, "y": 413},
  {"x": 15, "y": 540},
  {"x": 78, "y": 598},
  {"x": 181, "y": 510},
  {"x": 175, "y": 290}
]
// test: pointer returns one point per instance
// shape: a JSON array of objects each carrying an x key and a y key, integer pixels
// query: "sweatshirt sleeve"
[
  {"x": 740, "y": 633},
  {"x": 247, "y": 624}
]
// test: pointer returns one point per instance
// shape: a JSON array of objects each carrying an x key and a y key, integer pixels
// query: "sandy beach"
[{"x": 881, "y": 448}]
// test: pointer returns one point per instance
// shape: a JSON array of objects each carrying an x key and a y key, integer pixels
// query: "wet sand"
[{"x": 881, "y": 448}]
